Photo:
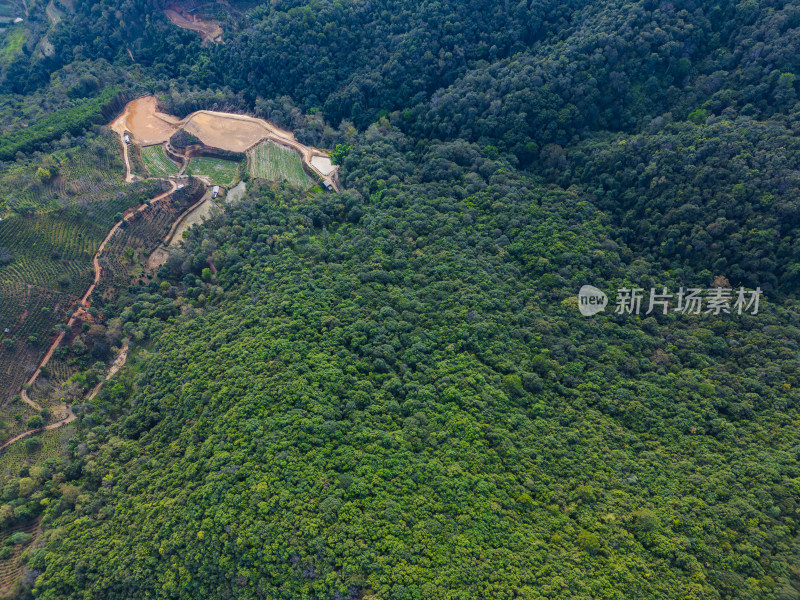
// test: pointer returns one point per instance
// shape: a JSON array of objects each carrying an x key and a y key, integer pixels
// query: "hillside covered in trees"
[{"x": 390, "y": 393}]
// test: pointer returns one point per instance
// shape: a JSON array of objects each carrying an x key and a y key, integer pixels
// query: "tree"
[{"x": 35, "y": 422}]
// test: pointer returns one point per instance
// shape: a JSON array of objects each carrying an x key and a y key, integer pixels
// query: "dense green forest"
[{"x": 389, "y": 393}]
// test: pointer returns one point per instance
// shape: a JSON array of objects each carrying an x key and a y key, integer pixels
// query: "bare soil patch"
[
  {"x": 223, "y": 131},
  {"x": 322, "y": 164},
  {"x": 157, "y": 258},
  {"x": 234, "y": 135},
  {"x": 147, "y": 126},
  {"x": 208, "y": 30}
]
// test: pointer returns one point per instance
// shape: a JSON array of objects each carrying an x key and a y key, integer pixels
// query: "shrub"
[{"x": 20, "y": 537}]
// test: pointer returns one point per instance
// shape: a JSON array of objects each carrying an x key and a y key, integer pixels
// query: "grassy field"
[
  {"x": 157, "y": 161},
  {"x": 273, "y": 162},
  {"x": 220, "y": 172}
]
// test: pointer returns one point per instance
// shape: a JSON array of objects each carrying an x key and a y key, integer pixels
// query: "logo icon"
[{"x": 591, "y": 300}]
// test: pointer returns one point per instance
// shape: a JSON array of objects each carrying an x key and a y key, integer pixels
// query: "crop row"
[
  {"x": 87, "y": 176},
  {"x": 219, "y": 171},
  {"x": 273, "y": 162},
  {"x": 16, "y": 456},
  {"x": 157, "y": 161},
  {"x": 11, "y": 568},
  {"x": 129, "y": 248},
  {"x": 26, "y": 309}
]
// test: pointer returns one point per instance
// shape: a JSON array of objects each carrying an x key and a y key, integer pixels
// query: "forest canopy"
[{"x": 389, "y": 392}]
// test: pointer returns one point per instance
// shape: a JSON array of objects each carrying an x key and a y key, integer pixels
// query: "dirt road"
[
  {"x": 84, "y": 301},
  {"x": 118, "y": 127},
  {"x": 118, "y": 363},
  {"x": 68, "y": 418},
  {"x": 67, "y": 415}
]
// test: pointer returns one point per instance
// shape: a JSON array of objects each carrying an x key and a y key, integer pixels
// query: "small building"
[
  {"x": 328, "y": 185},
  {"x": 127, "y": 138},
  {"x": 215, "y": 191}
]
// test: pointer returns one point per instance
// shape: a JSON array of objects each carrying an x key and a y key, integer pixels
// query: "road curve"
[
  {"x": 84, "y": 301},
  {"x": 68, "y": 418}
]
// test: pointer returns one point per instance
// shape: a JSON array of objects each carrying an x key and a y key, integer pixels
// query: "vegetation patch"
[
  {"x": 274, "y": 162},
  {"x": 217, "y": 170},
  {"x": 156, "y": 161},
  {"x": 13, "y": 38},
  {"x": 71, "y": 120},
  {"x": 181, "y": 139}
]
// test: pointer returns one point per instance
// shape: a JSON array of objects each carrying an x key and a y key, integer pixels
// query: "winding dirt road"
[
  {"x": 66, "y": 420},
  {"x": 138, "y": 114},
  {"x": 84, "y": 301},
  {"x": 69, "y": 416}
]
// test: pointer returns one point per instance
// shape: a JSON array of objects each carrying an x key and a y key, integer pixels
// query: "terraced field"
[
  {"x": 49, "y": 251},
  {"x": 156, "y": 161},
  {"x": 16, "y": 456},
  {"x": 125, "y": 254},
  {"x": 85, "y": 177},
  {"x": 11, "y": 568},
  {"x": 52, "y": 225},
  {"x": 218, "y": 171},
  {"x": 274, "y": 162}
]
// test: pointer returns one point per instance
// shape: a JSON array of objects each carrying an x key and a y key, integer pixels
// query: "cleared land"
[
  {"x": 224, "y": 131},
  {"x": 216, "y": 170},
  {"x": 146, "y": 124},
  {"x": 273, "y": 162},
  {"x": 207, "y": 29},
  {"x": 236, "y": 135},
  {"x": 322, "y": 164},
  {"x": 156, "y": 161},
  {"x": 195, "y": 217}
]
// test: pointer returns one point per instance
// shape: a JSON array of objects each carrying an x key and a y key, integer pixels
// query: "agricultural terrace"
[
  {"x": 157, "y": 162},
  {"x": 53, "y": 443},
  {"x": 217, "y": 170},
  {"x": 56, "y": 209},
  {"x": 223, "y": 131},
  {"x": 273, "y": 162},
  {"x": 86, "y": 177},
  {"x": 14, "y": 542}
]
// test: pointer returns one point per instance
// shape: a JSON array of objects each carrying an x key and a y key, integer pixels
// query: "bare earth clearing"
[
  {"x": 208, "y": 30},
  {"x": 147, "y": 126},
  {"x": 224, "y": 131}
]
